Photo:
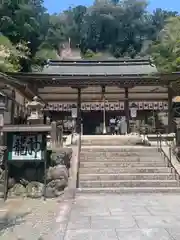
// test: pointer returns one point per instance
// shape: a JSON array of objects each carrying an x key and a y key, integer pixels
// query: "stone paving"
[
  {"x": 126, "y": 217},
  {"x": 91, "y": 217}
]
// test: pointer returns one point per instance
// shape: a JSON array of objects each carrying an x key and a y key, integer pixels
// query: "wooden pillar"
[
  {"x": 170, "y": 122},
  {"x": 13, "y": 106},
  {"x": 126, "y": 107},
  {"x": 104, "y": 131},
  {"x": 79, "y": 111}
]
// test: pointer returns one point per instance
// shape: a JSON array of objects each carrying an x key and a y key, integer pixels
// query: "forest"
[{"x": 30, "y": 35}]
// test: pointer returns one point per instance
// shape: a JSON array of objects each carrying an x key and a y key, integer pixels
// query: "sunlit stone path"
[
  {"x": 127, "y": 217},
  {"x": 93, "y": 216}
]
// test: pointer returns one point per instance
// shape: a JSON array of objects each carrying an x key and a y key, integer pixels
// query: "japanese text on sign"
[{"x": 27, "y": 147}]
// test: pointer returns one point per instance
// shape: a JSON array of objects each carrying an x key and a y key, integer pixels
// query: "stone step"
[
  {"x": 123, "y": 154},
  {"x": 132, "y": 190},
  {"x": 127, "y": 176},
  {"x": 119, "y": 158},
  {"x": 128, "y": 183},
  {"x": 107, "y": 143},
  {"x": 126, "y": 170},
  {"x": 119, "y": 149},
  {"x": 112, "y": 142},
  {"x": 121, "y": 164}
]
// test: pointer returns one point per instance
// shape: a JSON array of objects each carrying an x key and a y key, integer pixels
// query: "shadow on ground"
[{"x": 9, "y": 220}]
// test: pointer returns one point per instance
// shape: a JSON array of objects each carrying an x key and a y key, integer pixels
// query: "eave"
[
  {"x": 75, "y": 80},
  {"x": 127, "y": 80},
  {"x": 14, "y": 83}
]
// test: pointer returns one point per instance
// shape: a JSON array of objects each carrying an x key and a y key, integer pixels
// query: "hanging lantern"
[{"x": 133, "y": 110}]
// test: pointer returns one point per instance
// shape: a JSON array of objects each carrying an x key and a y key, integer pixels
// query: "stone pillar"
[
  {"x": 126, "y": 107},
  {"x": 170, "y": 122},
  {"x": 79, "y": 111},
  {"x": 36, "y": 115},
  {"x": 53, "y": 134}
]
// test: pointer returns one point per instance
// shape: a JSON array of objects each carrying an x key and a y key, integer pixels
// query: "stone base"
[{"x": 27, "y": 179}]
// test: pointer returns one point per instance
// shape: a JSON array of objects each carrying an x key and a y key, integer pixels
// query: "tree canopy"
[
  {"x": 11, "y": 55},
  {"x": 122, "y": 28},
  {"x": 166, "y": 50}
]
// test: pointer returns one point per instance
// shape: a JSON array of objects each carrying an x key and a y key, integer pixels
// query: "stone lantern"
[{"x": 36, "y": 115}]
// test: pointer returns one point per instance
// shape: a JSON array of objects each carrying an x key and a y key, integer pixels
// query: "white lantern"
[
  {"x": 74, "y": 111},
  {"x": 133, "y": 110}
]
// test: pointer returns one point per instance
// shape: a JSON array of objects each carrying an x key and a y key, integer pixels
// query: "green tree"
[
  {"x": 28, "y": 21},
  {"x": 118, "y": 27},
  {"x": 166, "y": 50},
  {"x": 11, "y": 55},
  {"x": 158, "y": 20}
]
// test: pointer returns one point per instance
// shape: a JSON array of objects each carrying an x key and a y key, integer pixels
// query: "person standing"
[
  {"x": 119, "y": 125},
  {"x": 116, "y": 127},
  {"x": 112, "y": 123}
]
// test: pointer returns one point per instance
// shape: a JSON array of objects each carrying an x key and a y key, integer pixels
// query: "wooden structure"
[
  {"x": 17, "y": 94},
  {"x": 100, "y": 89}
]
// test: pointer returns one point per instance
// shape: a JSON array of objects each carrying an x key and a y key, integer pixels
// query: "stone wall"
[{"x": 27, "y": 179}]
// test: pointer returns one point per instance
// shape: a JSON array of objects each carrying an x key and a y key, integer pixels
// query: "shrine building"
[{"x": 100, "y": 89}]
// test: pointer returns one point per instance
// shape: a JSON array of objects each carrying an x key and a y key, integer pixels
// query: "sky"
[{"x": 60, "y": 5}]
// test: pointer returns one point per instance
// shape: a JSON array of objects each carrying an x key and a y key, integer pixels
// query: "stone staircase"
[
  {"x": 125, "y": 169},
  {"x": 101, "y": 140}
]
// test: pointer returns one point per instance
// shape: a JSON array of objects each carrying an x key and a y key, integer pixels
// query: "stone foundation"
[{"x": 27, "y": 179}]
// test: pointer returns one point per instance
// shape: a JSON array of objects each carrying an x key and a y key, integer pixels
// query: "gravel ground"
[{"x": 26, "y": 219}]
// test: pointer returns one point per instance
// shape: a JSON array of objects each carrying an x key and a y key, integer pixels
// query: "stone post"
[{"x": 54, "y": 134}]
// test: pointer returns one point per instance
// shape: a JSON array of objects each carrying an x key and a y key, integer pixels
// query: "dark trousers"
[
  {"x": 119, "y": 130},
  {"x": 112, "y": 128}
]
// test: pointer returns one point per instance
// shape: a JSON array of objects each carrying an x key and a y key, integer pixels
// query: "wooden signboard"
[{"x": 25, "y": 146}]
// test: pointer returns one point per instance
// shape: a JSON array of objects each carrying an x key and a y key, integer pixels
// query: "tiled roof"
[{"x": 101, "y": 68}]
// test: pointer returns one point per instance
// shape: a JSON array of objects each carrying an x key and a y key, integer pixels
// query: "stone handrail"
[{"x": 166, "y": 150}]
